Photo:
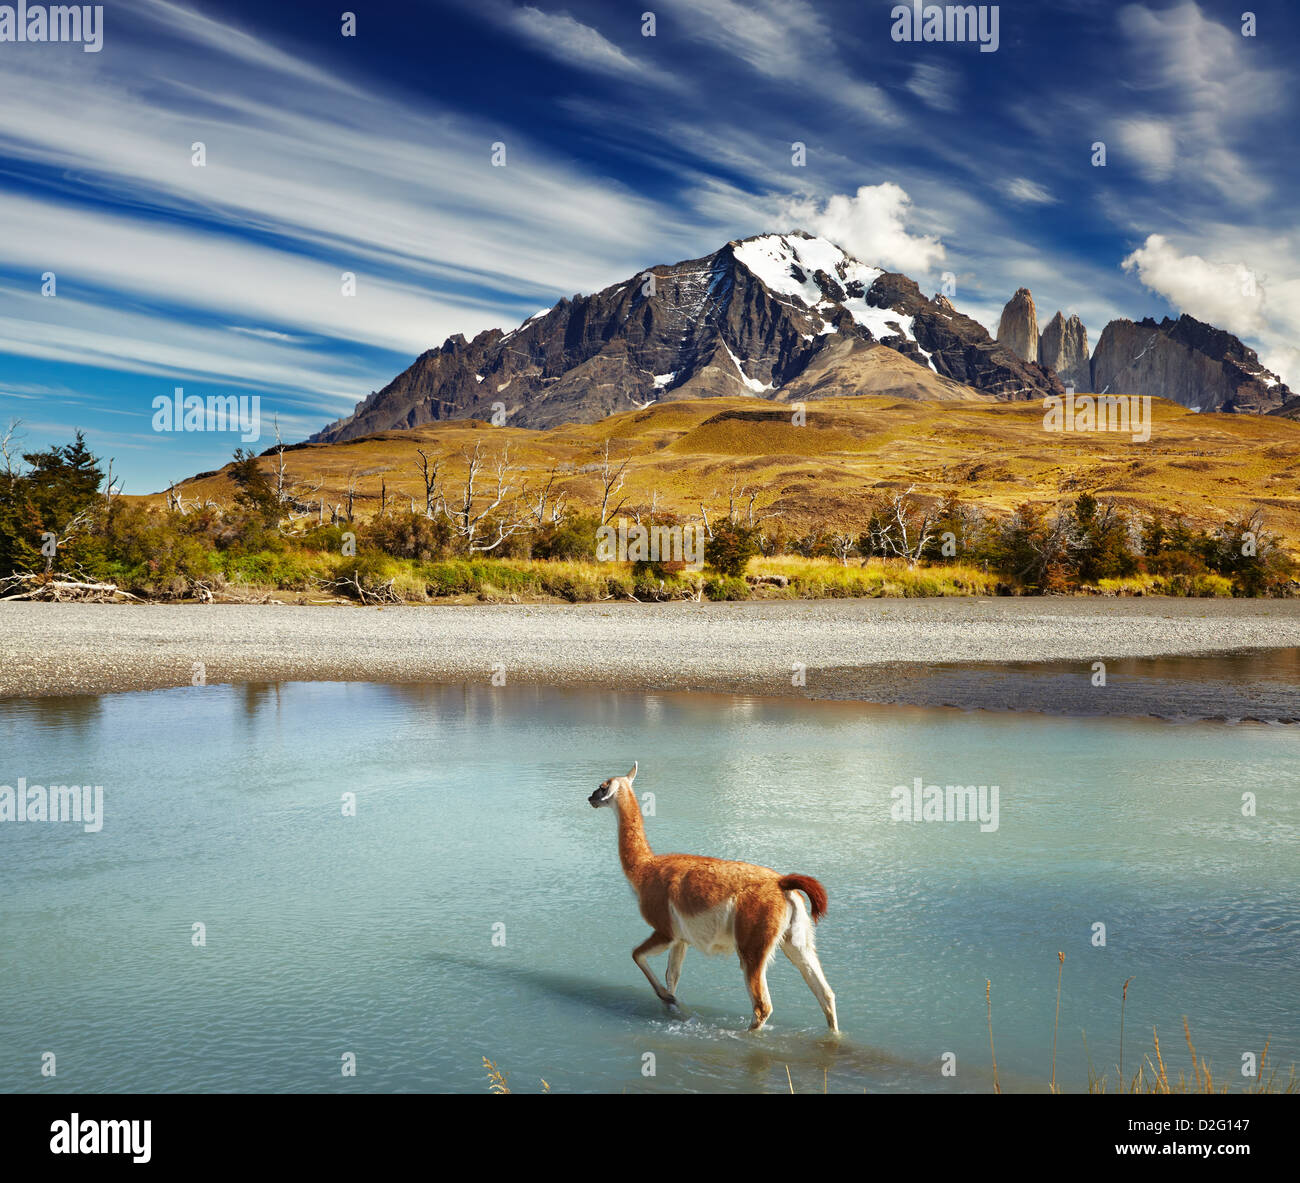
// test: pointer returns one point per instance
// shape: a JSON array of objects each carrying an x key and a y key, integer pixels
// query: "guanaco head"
[{"x": 611, "y": 788}]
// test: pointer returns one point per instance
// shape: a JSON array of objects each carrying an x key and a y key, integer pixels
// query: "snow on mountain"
[{"x": 750, "y": 318}]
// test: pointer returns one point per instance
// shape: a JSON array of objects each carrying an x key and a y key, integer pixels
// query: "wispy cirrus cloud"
[
  {"x": 567, "y": 39},
  {"x": 1023, "y": 191},
  {"x": 1202, "y": 83},
  {"x": 790, "y": 41}
]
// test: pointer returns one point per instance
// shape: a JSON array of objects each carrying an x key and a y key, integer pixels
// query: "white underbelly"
[{"x": 711, "y": 931}]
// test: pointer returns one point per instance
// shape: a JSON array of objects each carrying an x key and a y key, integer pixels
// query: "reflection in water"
[
  {"x": 69, "y": 711},
  {"x": 1256, "y": 684}
]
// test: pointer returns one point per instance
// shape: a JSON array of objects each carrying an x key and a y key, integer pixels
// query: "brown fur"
[{"x": 694, "y": 884}]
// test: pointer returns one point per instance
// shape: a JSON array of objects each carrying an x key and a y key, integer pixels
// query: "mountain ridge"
[
  {"x": 782, "y": 317},
  {"x": 748, "y": 319}
]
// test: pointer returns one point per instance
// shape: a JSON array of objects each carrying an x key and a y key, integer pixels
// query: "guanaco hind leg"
[
  {"x": 798, "y": 946},
  {"x": 676, "y": 955},
  {"x": 755, "y": 967}
]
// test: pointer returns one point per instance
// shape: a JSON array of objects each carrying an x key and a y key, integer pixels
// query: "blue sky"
[{"x": 372, "y": 154}]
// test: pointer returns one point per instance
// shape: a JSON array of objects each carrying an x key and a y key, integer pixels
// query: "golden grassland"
[
  {"x": 294, "y": 578},
  {"x": 1204, "y": 466}
]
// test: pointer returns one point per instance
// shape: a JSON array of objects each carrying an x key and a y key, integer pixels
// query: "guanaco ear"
[{"x": 631, "y": 776}]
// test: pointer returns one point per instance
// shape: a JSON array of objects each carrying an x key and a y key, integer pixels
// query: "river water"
[{"x": 237, "y": 924}]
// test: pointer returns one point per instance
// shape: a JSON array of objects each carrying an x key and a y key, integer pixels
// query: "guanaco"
[{"x": 716, "y": 906}]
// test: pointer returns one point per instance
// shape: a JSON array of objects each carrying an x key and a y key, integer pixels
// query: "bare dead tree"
[
  {"x": 71, "y": 528},
  {"x": 304, "y": 497},
  {"x": 551, "y": 503},
  {"x": 486, "y": 516},
  {"x": 612, "y": 480},
  {"x": 112, "y": 485},
  {"x": 843, "y": 544},
  {"x": 429, "y": 475},
  {"x": 704, "y": 517},
  {"x": 350, "y": 491},
  {"x": 901, "y": 529},
  {"x": 281, "y": 485},
  {"x": 9, "y": 443},
  {"x": 753, "y": 519},
  {"x": 649, "y": 510}
]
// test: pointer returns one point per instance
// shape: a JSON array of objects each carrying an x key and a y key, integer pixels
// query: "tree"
[
  {"x": 484, "y": 516},
  {"x": 900, "y": 527},
  {"x": 612, "y": 479},
  {"x": 729, "y": 548},
  {"x": 46, "y": 508}
]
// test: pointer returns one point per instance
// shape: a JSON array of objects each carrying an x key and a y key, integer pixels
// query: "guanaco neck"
[{"x": 633, "y": 849}]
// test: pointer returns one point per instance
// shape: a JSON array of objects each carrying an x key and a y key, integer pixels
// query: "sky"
[{"x": 372, "y": 155}]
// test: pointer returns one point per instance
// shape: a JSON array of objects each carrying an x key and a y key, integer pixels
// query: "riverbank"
[{"x": 1012, "y": 653}]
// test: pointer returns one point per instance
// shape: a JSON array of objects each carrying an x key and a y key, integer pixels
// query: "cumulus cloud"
[
  {"x": 1225, "y": 294},
  {"x": 872, "y": 226},
  {"x": 1231, "y": 295}
]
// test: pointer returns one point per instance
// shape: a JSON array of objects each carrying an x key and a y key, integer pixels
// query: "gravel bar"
[{"x": 883, "y": 650}]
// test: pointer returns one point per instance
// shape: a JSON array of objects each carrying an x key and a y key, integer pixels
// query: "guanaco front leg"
[{"x": 653, "y": 945}]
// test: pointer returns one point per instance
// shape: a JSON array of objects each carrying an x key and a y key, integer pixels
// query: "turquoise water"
[{"x": 374, "y": 934}]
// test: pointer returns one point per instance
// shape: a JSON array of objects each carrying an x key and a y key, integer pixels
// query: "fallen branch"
[
  {"x": 58, "y": 587},
  {"x": 383, "y": 593}
]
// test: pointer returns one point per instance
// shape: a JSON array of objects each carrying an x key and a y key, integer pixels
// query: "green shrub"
[
  {"x": 726, "y": 588},
  {"x": 729, "y": 550}
]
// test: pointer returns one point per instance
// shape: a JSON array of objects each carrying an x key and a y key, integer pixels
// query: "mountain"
[
  {"x": 1063, "y": 347},
  {"x": 1187, "y": 361},
  {"x": 1018, "y": 326},
  {"x": 776, "y": 316}
]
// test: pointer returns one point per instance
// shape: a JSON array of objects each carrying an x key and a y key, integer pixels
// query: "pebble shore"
[{"x": 956, "y": 652}]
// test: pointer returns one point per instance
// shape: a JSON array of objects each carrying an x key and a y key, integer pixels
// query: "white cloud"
[
  {"x": 787, "y": 40},
  {"x": 935, "y": 86},
  {"x": 872, "y": 226},
  {"x": 1204, "y": 81},
  {"x": 1150, "y": 145},
  {"x": 570, "y": 41},
  {"x": 331, "y": 177},
  {"x": 1026, "y": 192},
  {"x": 1228, "y": 295},
  {"x": 1232, "y": 295}
]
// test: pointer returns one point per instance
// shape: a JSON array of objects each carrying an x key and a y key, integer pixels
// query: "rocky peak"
[
  {"x": 748, "y": 319},
  {"x": 1187, "y": 361},
  {"x": 1063, "y": 347},
  {"x": 1018, "y": 326}
]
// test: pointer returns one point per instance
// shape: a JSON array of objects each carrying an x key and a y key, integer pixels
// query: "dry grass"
[
  {"x": 823, "y": 578},
  {"x": 1205, "y": 466},
  {"x": 1152, "y": 1075},
  {"x": 498, "y": 1081},
  {"x": 1203, "y": 586}
]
